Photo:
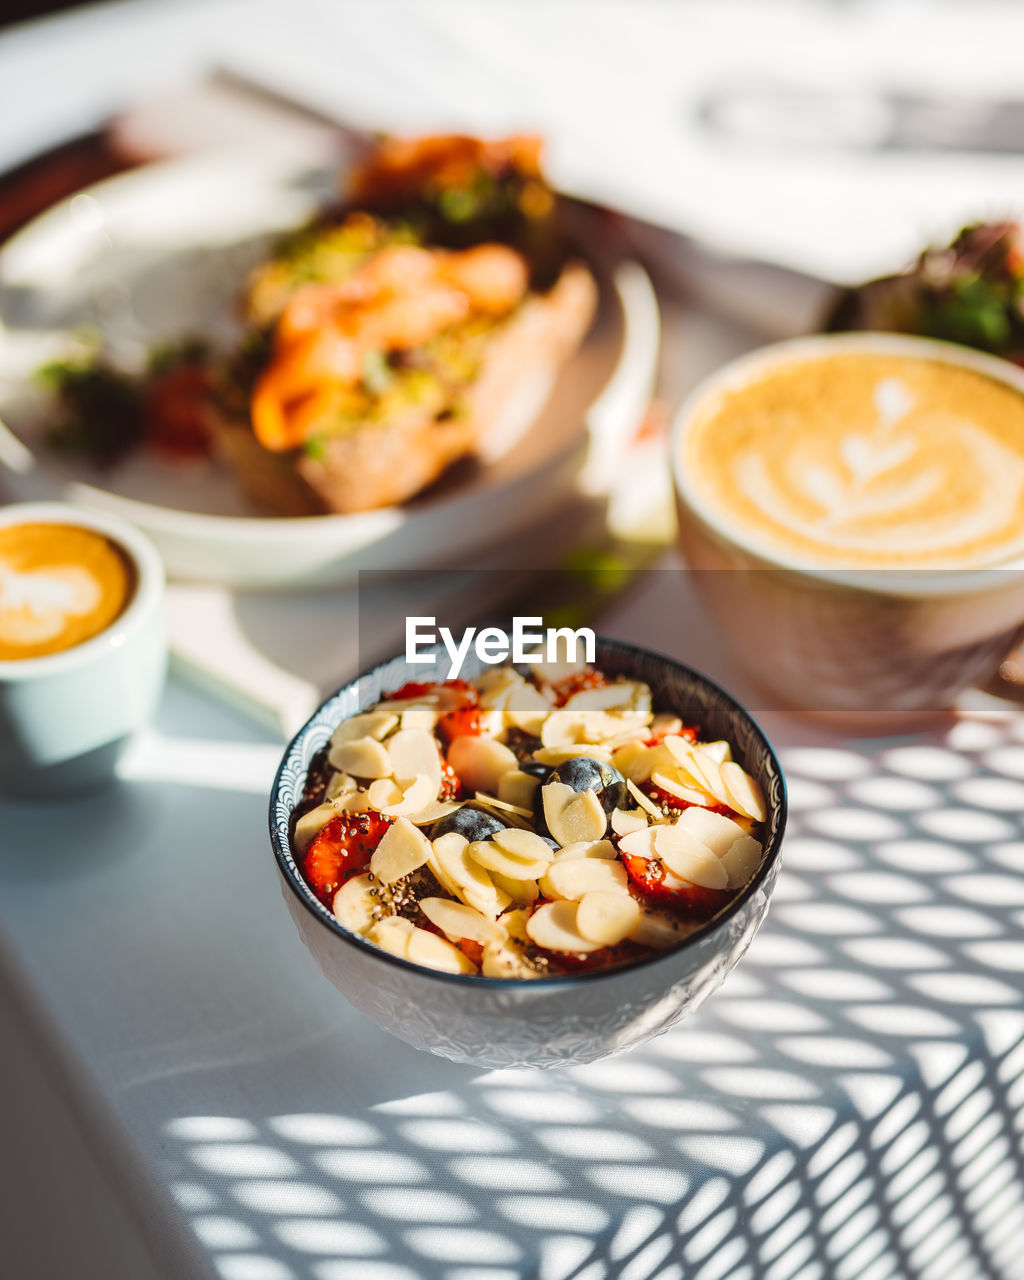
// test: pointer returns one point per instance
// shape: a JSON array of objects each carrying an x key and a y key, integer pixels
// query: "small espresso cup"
[
  {"x": 876, "y": 622},
  {"x": 81, "y": 597}
]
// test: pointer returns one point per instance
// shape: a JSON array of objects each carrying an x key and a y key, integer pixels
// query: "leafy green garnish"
[{"x": 100, "y": 409}]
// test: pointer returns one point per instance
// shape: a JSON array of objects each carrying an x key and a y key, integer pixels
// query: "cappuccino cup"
[
  {"x": 83, "y": 653},
  {"x": 852, "y": 509}
]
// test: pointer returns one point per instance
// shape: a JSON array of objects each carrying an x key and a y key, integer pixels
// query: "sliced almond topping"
[
  {"x": 510, "y": 813},
  {"x": 664, "y": 723},
  {"x": 420, "y": 716},
  {"x": 574, "y": 877},
  {"x": 626, "y": 820},
  {"x": 689, "y": 859},
  {"x": 353, "y": 802},
  {"x": 368, "y": 724},
  {"x": 573, "y": 818},
  {"x": 742, "y": 860},
  {"x": 634, "y": 761},
  {"x": 414, "y": 754},
  {"x": 524, "y": 844},
  {"x": 713, "y": 829},
  {"x": 481, "y": 762},
  {"x": 311, "y": 824},
  {"x": 521, "y": 893},
  {"x": 527, "y": 708},
  {"x": 639, "y": 844},
  {"x": 361, "y": 757},
  {"x": 719, "y": 751},
  {"x": 743, "y": 791},
  {"x": 416, "y": 796},
  {"x": 490, "y": 855},
  {"x": 517, "y": 789},
  {"x": 586, "y": 849},
  {"x": 678, "y": 789},
  {"x": 459, "y": 921},
  {"x": 340, "y": 784},
  {"x": 645, "y": 802},
  {"x": 430, "y": 813},
  {"x": 464, "y": 877},
  {"x": 607, "y": 918},
  {"x": 355, "y": 902},
  {"x": 402, "y": 849},
  {"x": 424, "y": 947},
  {"x": 553, "y": 926},
  {"x": 562, "y": 729},
  {"x": 392, "y": 934},
  {"x": 658, "y": 929},
  {"x": 385, "y": 791}
]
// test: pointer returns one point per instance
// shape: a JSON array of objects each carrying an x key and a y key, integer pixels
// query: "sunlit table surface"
[
  {"x": 183, "y": 1095},
  {"x": 189, "y": 1097}
]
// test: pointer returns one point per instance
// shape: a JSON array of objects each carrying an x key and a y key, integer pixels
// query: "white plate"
[{"x": 160, "y": 252}]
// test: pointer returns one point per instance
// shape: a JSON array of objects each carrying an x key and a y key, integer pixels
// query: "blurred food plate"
[{"x": 145, "y": 258}]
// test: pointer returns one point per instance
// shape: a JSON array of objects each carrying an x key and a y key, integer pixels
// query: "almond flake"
[
  {"x": 634, "y": 761},
  {"x": 517, "y": 789},
  {"x": 354, "y": 903},
  {"x": 713, "y": 829},
  {"x": 524, "y": 844},
  {"x": 464, "y": 877},
  {"x": 459, "y": 921},
  {"x": 553, "y": 927},
  {"x": 607, "y": 918},
  {"x": 521, "y": 893},
  {"x": 402, "y": 850},
  {"x": 413, "y": 754},
  {"x": 431, "y": 812},
  {"x": 362, "y": 757},
  {"x": 340, "y": 784},
  {"x": 481, "y": 762},
  {"x": 490, "y": 855},
  {"x": 574, "y": 877},
  {"x": 743, "y": 791},
  {"x": 562, "y": 729},
  {"x": 368, "y": 724},
  {"x": 645, "y": 802},
  {"x": 742, "y": 860},
  {"x": 640, "y": 843},
  {"x": 679, "y": 790},
  {"x": 502, "y": 806},
  {"x": 586, "y": 849},
  {"x": 416, "y": 796},
  {"x": 419, "y": 716},
  {"x": 384, "y": 791},
  {"x": 688, "y": 858},
  {"x": 572, "y": 820},
  {"x": 502, "y": 960},
  {"x": 626, "y": 820}
]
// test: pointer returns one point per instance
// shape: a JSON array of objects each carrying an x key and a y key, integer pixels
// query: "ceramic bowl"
[{"x": 544, "y": 1022}]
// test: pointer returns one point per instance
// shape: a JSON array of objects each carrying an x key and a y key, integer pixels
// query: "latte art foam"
[
  {"x": 864, "y": 460},
  {"x": 60, "y": 585}
]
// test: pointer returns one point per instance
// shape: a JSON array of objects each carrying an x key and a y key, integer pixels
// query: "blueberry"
[
  {"x": 534, "y": 768},
  {"x": 469, "y": 821}
]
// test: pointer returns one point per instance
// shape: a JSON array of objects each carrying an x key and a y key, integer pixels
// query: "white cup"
[
  {"x": 65, "y": 717},
  {"x": 868, "y": 646}
]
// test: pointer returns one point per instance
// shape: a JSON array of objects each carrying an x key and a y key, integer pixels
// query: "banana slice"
[{"x": 356, "y": 905}]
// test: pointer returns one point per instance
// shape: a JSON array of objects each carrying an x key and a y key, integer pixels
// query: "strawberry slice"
[
  {"x": 463, "y": 722},
  {"x": 342, "y": 850},
  {"x": 653, "y": 883}
]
